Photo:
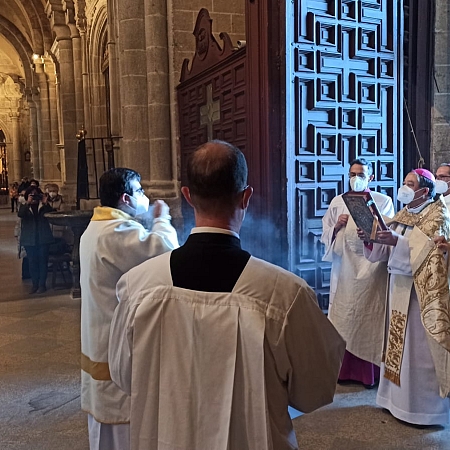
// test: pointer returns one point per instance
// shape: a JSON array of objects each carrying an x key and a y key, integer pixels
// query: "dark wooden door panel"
[{"x": 344, "y": 101}]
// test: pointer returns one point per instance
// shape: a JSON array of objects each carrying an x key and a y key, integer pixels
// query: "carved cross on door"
[{"x": 210, "y": 112}]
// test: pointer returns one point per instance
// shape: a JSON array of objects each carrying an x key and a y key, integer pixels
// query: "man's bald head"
[{"x": 217, "y": 174}]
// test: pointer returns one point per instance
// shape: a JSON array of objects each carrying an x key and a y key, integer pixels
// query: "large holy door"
[{"x": 344, "y": 100}]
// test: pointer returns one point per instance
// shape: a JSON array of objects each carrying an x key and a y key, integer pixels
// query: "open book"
[{"x": 365, "y": 213}]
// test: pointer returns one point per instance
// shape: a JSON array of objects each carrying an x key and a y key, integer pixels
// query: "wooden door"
[{"x": 344, "y": 100}]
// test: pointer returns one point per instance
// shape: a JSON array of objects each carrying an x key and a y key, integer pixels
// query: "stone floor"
[{"x": 40, "y": 380}]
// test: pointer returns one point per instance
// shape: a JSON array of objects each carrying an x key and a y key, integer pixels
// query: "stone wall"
[
  {"x": 440, "y": 115},
  {"x": 228, "y": 16}
]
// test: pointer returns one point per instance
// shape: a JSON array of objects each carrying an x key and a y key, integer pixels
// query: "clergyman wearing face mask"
[
  {"x": 443, "y": 182},
  {"x": 113, "y": 243},
  {"x": 414, "y": 382},
  {"x": 357, "y": 287},
  {"x": 359, "y": 182},
  {"x": 414, "y": 196}
]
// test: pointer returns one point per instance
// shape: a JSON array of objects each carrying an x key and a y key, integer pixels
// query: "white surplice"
[
  {"x": 417, "y": 399},
  {"x": 112, "y": 244},
  {"x": 217, "y": 371},
  {"x": 357, "y": 286}
]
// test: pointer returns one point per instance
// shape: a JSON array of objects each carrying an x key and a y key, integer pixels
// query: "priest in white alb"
[
  {"x": 213, "y": 344},
  {"x": 443, "y": 182},
  {"x": 415, "y": 372},
  {"x": 357, "y": 287}
]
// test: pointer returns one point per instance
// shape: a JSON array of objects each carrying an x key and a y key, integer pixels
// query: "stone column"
[
  {"x": 68, "y": 108},
  {"x": 58, "y": 110},
  {"x": 46, "y": 167},
  {"x": 78, "y": 79},
  {"x": 81, "y": 24},
  {"x": 161, "y": 176},
  {"x": 54, "y": 131},
  {"x": 114, "y": 72},
  {"x": 39, "y": 169},
  {"x": 16, "y": 155},
  {"x": 34, "y": 137},
  {"x": 440, "y": 114},
  {"x": 60, "y": 14},
  {"x": 133, "y": 86}
]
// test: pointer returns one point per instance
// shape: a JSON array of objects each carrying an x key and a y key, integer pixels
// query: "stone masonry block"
[
  {"x": 135, "y": 122},
  {"x": 238, "y": 24},
  {"x": 192, "y": 5},
  {"x": 132, "y": 34},
  {"x": 156, "y": 31},
  {"x": 442, "y": 75},
  {"x": 229, "y": 6},
  {"x": 443, "y": 15},
  {"x": 160, "y": 160},
  {"x": 157, "y": 60},
  {"x": 441, "y": 139},
  {"x": 159, "y": 121},
  {"x": 130, "y": 9},
  {"x": 441, "y": 158},
  {"x": 183, "y": 41},
  {"x": 442, "y": 108},
  {"x": 184, "y": 21},
  {"x": 221, "y": 22},
  {"x": 156, "y": 6},
  {"x": 134, "y": 90},
  {"x": 134, "y": 61},
  {"x": 158, "y": 89},
  {"x": 442, "y": 44}
]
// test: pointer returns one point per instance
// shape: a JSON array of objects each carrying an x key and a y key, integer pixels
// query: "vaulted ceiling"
[{"x": 24, "y": 31}]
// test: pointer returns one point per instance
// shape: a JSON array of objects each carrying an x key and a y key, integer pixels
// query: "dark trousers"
[
  {"x": 14, "y": 205},
  {"x": 38, "y": 263}
]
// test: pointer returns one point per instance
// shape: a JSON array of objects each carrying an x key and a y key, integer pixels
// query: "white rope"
[{"x": 421, "y": 161}]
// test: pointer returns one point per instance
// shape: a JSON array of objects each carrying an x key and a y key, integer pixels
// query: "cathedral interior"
[{"x": 301, "y": 87}]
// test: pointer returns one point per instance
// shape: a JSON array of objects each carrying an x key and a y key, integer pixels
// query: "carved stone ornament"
[
  {"x": 9, "y": 88},
  {"x": 207, "y": 50}
]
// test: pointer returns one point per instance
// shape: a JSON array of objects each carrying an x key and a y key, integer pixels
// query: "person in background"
[
  {"x": 415, "y": 382},
  {"x": 112, "y": 244},
  {"x": 219, "y": 343},
  {"x": 357, "y": 287},
  {"x": 36, "y": 236},
  {"x": 24, "y": 184},
  {"x": 21, "y": 253},
  {"x": 443, "y": 182},
  {"x": 55, "y": 200},
  {"x": 34, "y": 182},
  {"x": 14, "y": 196},
  {"x": 63, "y": 235}
]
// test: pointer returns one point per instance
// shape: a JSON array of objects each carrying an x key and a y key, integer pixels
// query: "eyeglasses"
[{"x": 139, "y": 191}]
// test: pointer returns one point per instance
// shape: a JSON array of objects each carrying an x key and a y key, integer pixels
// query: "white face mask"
[
  {"x": 441, "y": 187},
  {"x": 22, "y": 199},
  {"x": 142, "y": 203},
  {"x": 52, "y": 194},
  {"x": 358, "y": 184},
  {"x": 405, "y": 195}
]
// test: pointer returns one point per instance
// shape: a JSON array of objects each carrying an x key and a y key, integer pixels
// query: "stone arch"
[
  {"x": 22, "y": 46},
  {"x": 98, "y": 48},
  {"x": 33, "y": 19},
  {"x": 6, "y": 131}
]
